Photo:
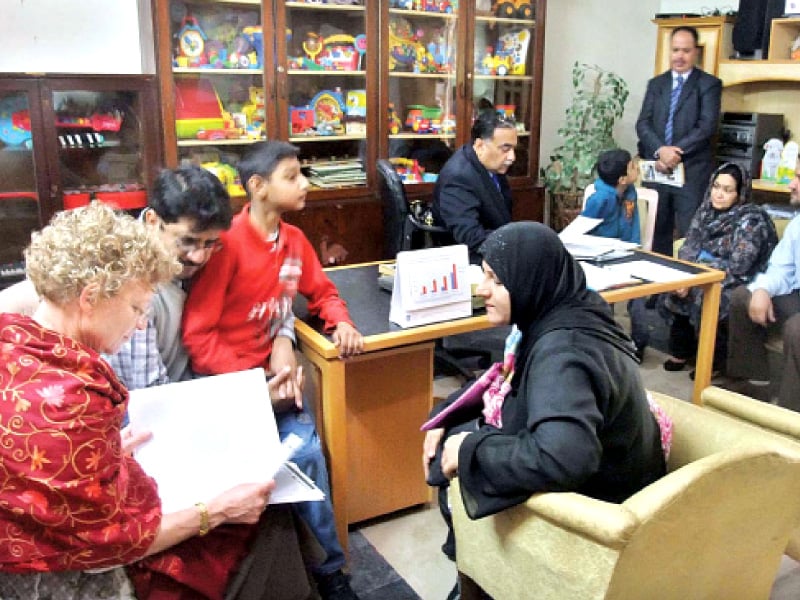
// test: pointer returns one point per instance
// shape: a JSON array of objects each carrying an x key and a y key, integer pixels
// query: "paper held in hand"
[
  {"x": 430, "y": 286},
  {"x": 212, "y": 434},
  {"x": 650, "y": 174}
]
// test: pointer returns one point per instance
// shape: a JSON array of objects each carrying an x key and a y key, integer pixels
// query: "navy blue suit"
[
  {"x": 468, "y": 202},
  {"x": 694, "y": 126}
]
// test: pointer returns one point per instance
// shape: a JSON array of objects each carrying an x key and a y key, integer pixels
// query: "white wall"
[
  {"x": 75, "y": 36},
  {"x": 616, "y": 35}
]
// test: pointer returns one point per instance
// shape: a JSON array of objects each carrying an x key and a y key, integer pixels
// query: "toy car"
[{"x": 517, "y": 8}]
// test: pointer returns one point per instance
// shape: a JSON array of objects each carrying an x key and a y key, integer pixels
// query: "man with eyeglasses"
[
  {"x": 769, "y": 304},
  {"x": 472, "y": 197}
]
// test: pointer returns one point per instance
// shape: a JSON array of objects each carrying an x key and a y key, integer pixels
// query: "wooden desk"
[{"x": 371, "y": 406}]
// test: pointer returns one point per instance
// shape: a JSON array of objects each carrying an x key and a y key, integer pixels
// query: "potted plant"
[{"x": 598, "y": 100}]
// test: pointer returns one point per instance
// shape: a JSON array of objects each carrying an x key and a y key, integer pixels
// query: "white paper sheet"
[
  {"x": 603, "y": 278},
  {"x": 209, "y": 435},
  {"x": 649, "y": 271}
]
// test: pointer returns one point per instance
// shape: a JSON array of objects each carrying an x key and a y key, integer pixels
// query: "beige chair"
[
  {"x": 771, "y": 419},
  {"x": 715, "y": 526},
  {"x": 647, "y": 205}
]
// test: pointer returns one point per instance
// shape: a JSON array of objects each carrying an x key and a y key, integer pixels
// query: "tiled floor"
[{"x": 411, "y": 541}]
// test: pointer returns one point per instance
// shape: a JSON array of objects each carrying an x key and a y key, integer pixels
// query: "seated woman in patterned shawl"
[{"x": 727, "y": 233}]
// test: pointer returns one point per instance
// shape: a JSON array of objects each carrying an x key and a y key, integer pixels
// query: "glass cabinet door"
[
  {"x": 324, "y": 89},
  {"x": 102, "y": 148},
  {"x": 503, "y": 69},
  {"x": 218, "y": 86},
  {"x": 20, "y": 179},
  {"x": 422, "y": 53}
]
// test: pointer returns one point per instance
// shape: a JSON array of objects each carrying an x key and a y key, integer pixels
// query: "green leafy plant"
[{"x": 598, "y": 101}]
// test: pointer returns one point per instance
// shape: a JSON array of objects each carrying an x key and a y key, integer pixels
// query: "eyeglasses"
[
  {"x": 724, "y": 189},
  {"x": 188, "y": 245}
]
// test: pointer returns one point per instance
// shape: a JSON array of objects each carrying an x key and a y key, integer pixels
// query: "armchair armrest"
[
  {"x": 774, "y": 418},
  {"x": 603, "y": 522}
]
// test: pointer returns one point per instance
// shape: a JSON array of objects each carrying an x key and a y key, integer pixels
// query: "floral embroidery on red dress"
[{"x": 69, "y": 498}]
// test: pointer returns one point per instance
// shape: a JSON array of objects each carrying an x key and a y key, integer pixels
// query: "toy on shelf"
[
  {"x": 191, "y": 44},
  {"x": 301, "y": 120},
  {"x": 329, "y": 106},
  {"x": 223, "y": 48},
  {"x": 324, "y": 115},
  {"x": 409, "y": 169},
  {"x": 514, "y": 45},
  {"x": 424, "y": 119},
  {"x": 788, "y": 163},
  {"x": 253, "y": 109},
  {"x": 197, "y": 107},
  {"x": 772, "y": 159},
  {"x": 393, "y": 120},
  {"x": 506, "y": 111},
  {"x": 15, "y": 122},
  {"x": 509, "y": 9},
  {"x": 227, "y": 175},
  {"x": 339, "y": 53},
  {"x": 356, "y": 112},
  {"x": 408, "y": 51}
]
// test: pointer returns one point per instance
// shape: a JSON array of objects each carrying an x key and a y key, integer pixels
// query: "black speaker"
[{"x": 752, "y": 28}]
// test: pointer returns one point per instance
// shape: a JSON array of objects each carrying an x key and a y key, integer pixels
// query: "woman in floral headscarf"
[
  {"x": 576, "y": 416},
  {"x": 727, "y": 233}
]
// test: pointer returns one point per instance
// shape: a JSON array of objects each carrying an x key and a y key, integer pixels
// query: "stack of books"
[{"x": 334, "y": 174}]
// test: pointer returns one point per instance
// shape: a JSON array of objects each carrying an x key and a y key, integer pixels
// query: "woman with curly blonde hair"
[{"x": 72, "y": 500}]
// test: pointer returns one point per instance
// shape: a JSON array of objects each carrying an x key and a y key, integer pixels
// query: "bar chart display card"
[{"x": 431, "y": 285}]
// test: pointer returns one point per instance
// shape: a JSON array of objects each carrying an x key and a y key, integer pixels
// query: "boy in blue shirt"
[
  {"x": 614, "y": 198},
  {"x": 614, "y": 201}
]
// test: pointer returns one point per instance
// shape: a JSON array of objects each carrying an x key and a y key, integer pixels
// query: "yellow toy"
[
  {"x": 227, "y": 176},
  {"x": 254, "y": 108}
]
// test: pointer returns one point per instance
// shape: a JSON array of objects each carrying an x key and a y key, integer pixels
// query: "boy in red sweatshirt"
[{"x": 237, "y": 304}]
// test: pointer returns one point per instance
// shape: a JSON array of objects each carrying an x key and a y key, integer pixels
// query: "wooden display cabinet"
[
  {"x": 330, "y": 77},
  {"x": 767, "y": 86},
  {"x": 65, "y": 140}
]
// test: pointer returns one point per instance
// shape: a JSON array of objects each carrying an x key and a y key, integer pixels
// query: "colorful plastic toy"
[{"x": 521, "y": 9}]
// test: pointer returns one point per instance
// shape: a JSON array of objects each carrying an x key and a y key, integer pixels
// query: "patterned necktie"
[{"x": 673, "y": 102}]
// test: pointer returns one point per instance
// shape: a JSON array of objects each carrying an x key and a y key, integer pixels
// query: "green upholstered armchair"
[
  {"x": 768, "y": 418},
  {"x": 715, "y": 526}
]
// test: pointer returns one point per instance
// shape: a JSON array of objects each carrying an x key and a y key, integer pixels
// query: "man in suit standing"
[
  {"x": 472, "y": 197},
  {"x": 679, "y": 117}
]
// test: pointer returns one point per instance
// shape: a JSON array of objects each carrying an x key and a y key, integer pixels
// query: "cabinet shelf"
[
  {"x": 422, "y": 136},
  {"x": 334, "y": 7},
  {"x": 326, "y": 73},
  {"x": 506, "y": 21},
  {"x": 764, "y": 185},
  {"x": 422, "y": 13},
  {"x": 409, "y": 74},
  {"x": 214, "y": 72},
  {"x": 527, "y": 78},
  {"x": 736, "y": 72},
  {"x": 224, "y": 142},
  {"x": 325, "y": 138}
]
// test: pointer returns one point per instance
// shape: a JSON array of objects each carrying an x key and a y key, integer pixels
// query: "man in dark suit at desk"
[
  {"x": 679, "y": 117},
  {"x": 472, "y": 197}
]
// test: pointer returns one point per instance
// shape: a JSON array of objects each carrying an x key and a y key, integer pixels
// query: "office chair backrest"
[{"x": 397, "y": 236}]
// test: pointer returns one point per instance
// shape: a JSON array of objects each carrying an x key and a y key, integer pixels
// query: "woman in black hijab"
[{"x": 576, "y": 417}]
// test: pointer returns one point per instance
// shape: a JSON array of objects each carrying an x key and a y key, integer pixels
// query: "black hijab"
[{"x": 547, "y": 287}]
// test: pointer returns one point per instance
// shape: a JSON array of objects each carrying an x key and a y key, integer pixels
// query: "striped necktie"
[{"x": 673, "y": 102}]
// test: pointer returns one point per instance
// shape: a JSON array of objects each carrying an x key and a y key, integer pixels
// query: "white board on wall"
[{"x": 70, "y": 36}]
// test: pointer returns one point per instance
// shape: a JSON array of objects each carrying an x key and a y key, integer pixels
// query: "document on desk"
[
  {"x": 430, "y": 286},
  {"x": 604, "y": 278},
  {"x": 648, "y": 271},
  {"x": 211, "y": 434},
  {"x": 584, "y": 246}
]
